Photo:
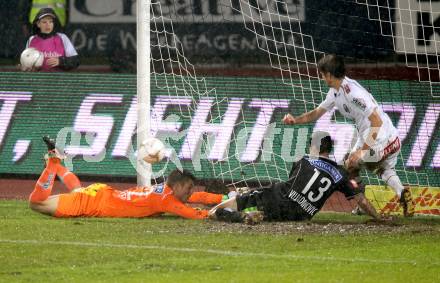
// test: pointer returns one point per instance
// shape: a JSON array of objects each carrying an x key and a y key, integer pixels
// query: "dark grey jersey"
[{"x": 312, "y": 181}]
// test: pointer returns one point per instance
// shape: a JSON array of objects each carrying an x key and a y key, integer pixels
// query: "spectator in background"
[
  {"x": 10, "y": 37},
  {"x": 59, "y": 52},
  {"x": 30, "y": 8}
]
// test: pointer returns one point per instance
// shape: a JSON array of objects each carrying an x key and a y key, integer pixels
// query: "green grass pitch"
[{"x": 331, "y": 248}]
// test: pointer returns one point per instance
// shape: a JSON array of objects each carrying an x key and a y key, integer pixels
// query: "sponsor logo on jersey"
[
  {"x": 93, "y": 189},
  {"x": 131, "y": 195},
  {"x": 50, "y": 54},
  {"x": 328, "y": 168},
  {"x": 346, "y": 108},
  {"x": 359, "y": 102},
  {"x": 158, "y": 189},
  {"x": 346, "y": 89}
]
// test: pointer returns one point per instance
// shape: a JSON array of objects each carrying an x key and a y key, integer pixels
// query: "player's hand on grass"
[{"x": 289, "y": 119}]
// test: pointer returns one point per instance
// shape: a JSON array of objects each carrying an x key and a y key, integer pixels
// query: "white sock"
[
  {"x": 396, "y": 185},
  {"x": 390, "y": 177}
]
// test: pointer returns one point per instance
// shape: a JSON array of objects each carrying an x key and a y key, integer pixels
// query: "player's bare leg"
[{"x": 48, "y": 206}]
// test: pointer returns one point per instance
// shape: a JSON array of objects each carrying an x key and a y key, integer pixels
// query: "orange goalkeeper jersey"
[{"x": 101, "y": 200}]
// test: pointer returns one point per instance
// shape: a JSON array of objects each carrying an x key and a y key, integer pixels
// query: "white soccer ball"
[
  {"x": 152, "y": 150},
  {"x": 30, "y": 59}
]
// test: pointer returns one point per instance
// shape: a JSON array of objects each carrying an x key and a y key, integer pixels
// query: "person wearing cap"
[
  {"x": 30, "y": 8},
  {"x": 312, "y": 180},
  {"x": 59, "y": 52},
  {"x": 59, "y": 7}
]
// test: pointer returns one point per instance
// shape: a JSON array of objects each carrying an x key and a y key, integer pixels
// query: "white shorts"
[{"x": 384, "y": 153}]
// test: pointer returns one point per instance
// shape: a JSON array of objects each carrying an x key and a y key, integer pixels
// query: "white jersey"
[{"x": 356, "y": 103}]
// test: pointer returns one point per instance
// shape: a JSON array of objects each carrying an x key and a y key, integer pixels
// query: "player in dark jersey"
[{"x": 312, "y": 180}]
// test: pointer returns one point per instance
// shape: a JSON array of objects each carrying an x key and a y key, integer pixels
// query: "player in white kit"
[{"x": 378, "y": 144}]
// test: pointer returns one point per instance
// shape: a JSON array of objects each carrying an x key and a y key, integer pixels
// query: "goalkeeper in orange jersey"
[{"x": 101, "y": 200}]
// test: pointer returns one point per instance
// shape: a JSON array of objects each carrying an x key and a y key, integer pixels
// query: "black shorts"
[{"x": 272, "y": 203}]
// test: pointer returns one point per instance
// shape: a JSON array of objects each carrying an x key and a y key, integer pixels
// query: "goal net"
[
  {"x": 414, "y": 28},
  {"x": 225, "y": 72}
]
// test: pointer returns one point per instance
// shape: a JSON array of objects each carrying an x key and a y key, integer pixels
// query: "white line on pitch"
[{"x": 211, "y": 251}]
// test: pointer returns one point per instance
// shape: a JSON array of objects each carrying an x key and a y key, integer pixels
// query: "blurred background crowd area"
[{"x": 104, "y": 32}]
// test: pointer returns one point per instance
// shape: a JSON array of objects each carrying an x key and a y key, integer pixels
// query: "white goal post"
[{"x": 143, "y": 169}]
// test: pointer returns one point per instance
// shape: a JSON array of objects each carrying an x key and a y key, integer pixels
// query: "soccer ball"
[
  {"x": 30, "y": 59},
  {"x": 152, "y": 150}
]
